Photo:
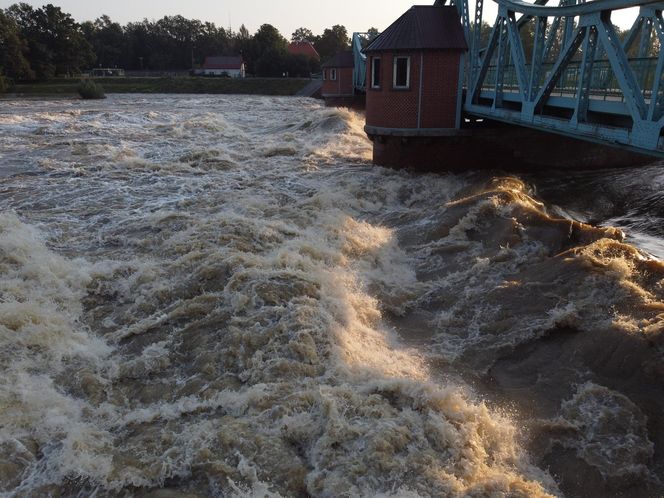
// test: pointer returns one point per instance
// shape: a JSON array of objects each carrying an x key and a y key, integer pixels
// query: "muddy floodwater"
[{"x": 221, "y": 296}]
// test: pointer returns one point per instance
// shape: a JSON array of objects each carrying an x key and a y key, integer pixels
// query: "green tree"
[
  {"x": 56, "y": 44},
  {"x": 272, "y": 63},
  {"x": 303, "y": 34},
  {"x": 242, "y": 43},
  {"x": 301, "y": 66},
  {"x": 39, "y": 54},
  {"x": 268, "y": 37},
  {"x": 211, "y": 40},
  {"x": 332, "y": 41},
  {"x": 107, "y": 39},
  {"x": 71, "y": 51},
  {"x": 267, "y": 52},
  {"x": 13, "y": 50}
]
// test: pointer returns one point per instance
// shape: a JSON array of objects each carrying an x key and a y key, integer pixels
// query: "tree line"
[{"x": 40, "y": 43}]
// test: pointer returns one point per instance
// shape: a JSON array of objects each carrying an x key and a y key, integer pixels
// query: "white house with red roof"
[{"x": 223, "y": 65}]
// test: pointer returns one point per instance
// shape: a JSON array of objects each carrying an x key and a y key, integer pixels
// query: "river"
[{"x": 221, "y": 296}]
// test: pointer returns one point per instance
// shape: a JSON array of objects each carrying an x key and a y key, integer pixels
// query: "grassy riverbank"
[{"x": 252, "y": 86}]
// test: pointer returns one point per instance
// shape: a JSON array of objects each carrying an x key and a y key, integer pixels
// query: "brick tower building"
[{"x": 414, "y": 82}]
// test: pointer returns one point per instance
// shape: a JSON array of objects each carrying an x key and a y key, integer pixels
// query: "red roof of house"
[
  {"x": 341, "y": 59},
  {"x": 223, "y": 62},
  {"x": 423, "y": 27},
  {"x": 303, "y": 48}
]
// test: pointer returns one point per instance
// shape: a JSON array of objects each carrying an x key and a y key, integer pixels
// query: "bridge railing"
[
  {"x": 603, "y": 83},
  {"x": 587, "y": 87}
]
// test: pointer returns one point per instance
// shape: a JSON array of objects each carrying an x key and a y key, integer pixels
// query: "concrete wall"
[
  {"x": 433, "y": 104},
  {"x": 342, "y": 86}
]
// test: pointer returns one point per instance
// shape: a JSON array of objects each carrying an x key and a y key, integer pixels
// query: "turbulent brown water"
[{"x": 220, "y": 296}]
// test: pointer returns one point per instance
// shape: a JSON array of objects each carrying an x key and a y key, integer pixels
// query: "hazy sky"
[{"x": 286, "y": 15}]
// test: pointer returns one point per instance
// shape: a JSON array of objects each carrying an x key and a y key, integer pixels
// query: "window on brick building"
[
  {"x": 375, "y": 72},
  {"x": 401, "y": 72},
  {"x": 324, "y": 74},
  {"x": 333, "y": 74}
]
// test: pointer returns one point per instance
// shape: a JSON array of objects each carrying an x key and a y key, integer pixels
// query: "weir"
[{"x": 561, "y": 72}]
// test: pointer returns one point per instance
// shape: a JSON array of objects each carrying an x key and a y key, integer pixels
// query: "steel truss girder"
[
  {"x": 476, "y": 85},
  {"x": 502, "y": 62},
  {"x": 587, "y": 61},
  {"x": 656, "y": 107},
  {"x": 594, "y": 34},
  {"x": 593, "y": 7},
  {"x": 537, "y": 56},
  {"x": 476, "y": 41}
]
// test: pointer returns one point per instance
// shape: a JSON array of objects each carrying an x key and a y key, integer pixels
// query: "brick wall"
[
  {"x": 439, "y": 92},
  {"x": 394, "y": 108},
  {"x": 342, "y": 86}
]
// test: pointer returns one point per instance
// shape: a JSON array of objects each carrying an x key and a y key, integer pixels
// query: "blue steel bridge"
[{"x": 575, "y": 77}]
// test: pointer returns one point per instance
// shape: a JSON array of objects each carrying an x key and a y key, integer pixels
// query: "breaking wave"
[{"x": 220, "y": 296}]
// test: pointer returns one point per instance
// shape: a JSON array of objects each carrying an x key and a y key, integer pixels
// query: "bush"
[{"x": 88, "y": 89}]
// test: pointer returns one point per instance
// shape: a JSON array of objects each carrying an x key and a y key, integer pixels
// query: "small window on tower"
[
  {"x": 375, "y": 72},
  {"x": 333, "y": 74},
  {"x": 401, "y": 72}
]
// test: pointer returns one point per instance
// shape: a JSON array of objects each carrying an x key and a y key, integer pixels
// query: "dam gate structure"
[{"x": 555, "y": 78}]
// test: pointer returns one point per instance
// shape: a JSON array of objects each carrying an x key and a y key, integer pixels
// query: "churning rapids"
[{"x": 220, "y": 296}]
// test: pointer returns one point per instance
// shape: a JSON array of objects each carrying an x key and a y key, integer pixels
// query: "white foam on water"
[{"x": 206, "y": 306}]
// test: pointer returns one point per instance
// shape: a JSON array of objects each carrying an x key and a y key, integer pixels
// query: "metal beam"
[
  {"x": 656, "y": 107},
  {"x": 551, "y": 39},
  {"x": 518, "y": 58},
  {"x": 595, "y": 6},
  {"x": 537, "y": 57},
  {"x": 486, "y": 61},
  {"x": 475, "y": 46},
  {"x": 621, "y": 68},
  {"x": 633, "y": 33},
  {"x": 575, "y": 24},
  {"x": 502, "y": 61},
  {"x": 558, "y": 68},
  {"x": 585, "y": 77},
  {"x": 646, "y": 33}
]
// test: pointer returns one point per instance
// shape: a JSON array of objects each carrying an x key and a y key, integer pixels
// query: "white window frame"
[
  {"x": 333, "y": 74},
  {"x": 373, "y": 73},
  {"x": 394, "y": 72}
]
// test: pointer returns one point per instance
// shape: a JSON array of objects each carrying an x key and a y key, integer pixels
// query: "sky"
[{"x": 285, "y": 15}]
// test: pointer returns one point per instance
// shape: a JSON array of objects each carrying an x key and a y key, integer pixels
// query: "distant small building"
[
  {"x": 303, "y": 48},
  {"x": 104, "y": 72},
  {"x": 223, "y": 65},
  {"x": 338, "y": 76}
]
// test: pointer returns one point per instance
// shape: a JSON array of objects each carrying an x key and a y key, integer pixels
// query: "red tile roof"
[
  {"x": 341, "y": 59},
  {"x": 423, "y": 27},
  {"x": 303, "y": 48},
  {"x": 223, "y": 62}
]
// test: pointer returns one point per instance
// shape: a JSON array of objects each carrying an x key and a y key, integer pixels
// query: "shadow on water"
[
  {"x": 628, "y": 198},
  {"x": 556, "y": 321}
]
